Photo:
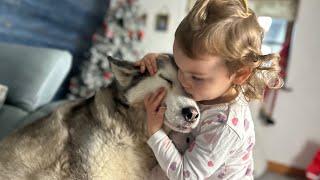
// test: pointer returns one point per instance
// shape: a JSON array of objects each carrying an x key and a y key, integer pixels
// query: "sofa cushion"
[
  {"x": 10, "y": 116},
  {"x": 32, "y": 74}
]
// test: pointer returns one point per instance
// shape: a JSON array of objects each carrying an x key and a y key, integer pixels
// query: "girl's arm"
[{"x": 204, "y": 156}]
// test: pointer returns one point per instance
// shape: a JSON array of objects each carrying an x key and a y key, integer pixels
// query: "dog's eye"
[{"x": 168, "y": 80}]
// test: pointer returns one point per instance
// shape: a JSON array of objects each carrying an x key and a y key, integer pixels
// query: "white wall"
[
  {"x": 296, "y": 135},
  {"x": 155, "y": 41}
]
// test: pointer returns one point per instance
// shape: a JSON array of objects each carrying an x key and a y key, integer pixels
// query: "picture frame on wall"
[{"x": 161, "y": 23}]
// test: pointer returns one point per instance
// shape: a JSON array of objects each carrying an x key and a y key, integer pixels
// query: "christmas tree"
[{"x": 120, "y": 36}]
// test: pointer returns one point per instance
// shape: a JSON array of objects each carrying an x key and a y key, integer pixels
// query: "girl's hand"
[
  {"x": 155, "y": 112},
  {"x": 149, "y": 62}
]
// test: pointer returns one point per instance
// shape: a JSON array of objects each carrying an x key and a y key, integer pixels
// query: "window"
[{"x": 275, "y": 34}]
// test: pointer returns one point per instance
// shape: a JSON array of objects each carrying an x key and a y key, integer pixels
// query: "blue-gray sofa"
[{"x": 33, "y": 76}]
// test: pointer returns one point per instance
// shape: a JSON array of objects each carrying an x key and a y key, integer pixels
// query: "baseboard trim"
[{"x": 285, "y": 170}]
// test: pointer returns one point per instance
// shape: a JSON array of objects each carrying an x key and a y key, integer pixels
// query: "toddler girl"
[{"x": 217, "y": 49}]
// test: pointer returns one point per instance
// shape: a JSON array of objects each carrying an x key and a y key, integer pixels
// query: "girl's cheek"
[
  {"x": 180, "y": 76},
  {"x": 180, "y": 79},
  {"x": 184, "y": 83}
]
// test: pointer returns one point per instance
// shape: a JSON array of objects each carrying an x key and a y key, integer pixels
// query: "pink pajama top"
[{"x": 219, "y": 148}]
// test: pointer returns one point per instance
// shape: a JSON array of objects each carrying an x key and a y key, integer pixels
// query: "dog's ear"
[{"x": 123, "y": 71}]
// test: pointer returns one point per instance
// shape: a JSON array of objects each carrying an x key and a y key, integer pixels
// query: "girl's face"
[{"x": 205, "y": 78}]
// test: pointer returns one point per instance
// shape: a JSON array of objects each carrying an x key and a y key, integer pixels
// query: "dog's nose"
[{"x": 190, "y": 114}]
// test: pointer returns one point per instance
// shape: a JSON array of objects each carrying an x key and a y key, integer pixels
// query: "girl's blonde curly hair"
[{"x": 229, "y": 29}]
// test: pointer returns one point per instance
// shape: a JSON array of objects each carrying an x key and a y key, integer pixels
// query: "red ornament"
[
  {"x": 107, "y": 75},
  {"x": 109, "y": 34},
  {"x": 140, "y": 35}
]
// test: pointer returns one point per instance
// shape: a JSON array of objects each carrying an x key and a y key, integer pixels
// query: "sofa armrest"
[{"x": 33, "y": 75}]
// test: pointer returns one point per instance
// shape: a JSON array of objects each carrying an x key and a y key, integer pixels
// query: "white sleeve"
[{"x": 205, "y": 155}]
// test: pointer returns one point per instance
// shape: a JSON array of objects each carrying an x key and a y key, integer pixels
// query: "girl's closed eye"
[{"x": 197, "y": 78}]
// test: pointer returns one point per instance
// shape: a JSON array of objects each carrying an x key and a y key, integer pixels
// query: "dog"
[{"x": 101, "y": 137}]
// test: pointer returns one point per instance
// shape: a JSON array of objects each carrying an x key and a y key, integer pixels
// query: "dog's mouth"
[{"x": 185, "y": 128}]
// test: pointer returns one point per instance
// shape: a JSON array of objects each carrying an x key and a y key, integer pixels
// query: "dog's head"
[{"x": 182, "y": 113}]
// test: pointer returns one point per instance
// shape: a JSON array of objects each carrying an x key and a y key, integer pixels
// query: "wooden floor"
[{"x": 275, "y": 176}]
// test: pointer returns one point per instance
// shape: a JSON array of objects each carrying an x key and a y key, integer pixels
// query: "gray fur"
[{"x": 102, "y": 137}]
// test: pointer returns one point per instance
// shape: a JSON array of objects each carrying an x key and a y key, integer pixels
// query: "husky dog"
[{"x": 102, "y": 137}]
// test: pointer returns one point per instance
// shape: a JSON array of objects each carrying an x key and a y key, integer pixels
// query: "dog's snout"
[{"x": 190, "y": 114}]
